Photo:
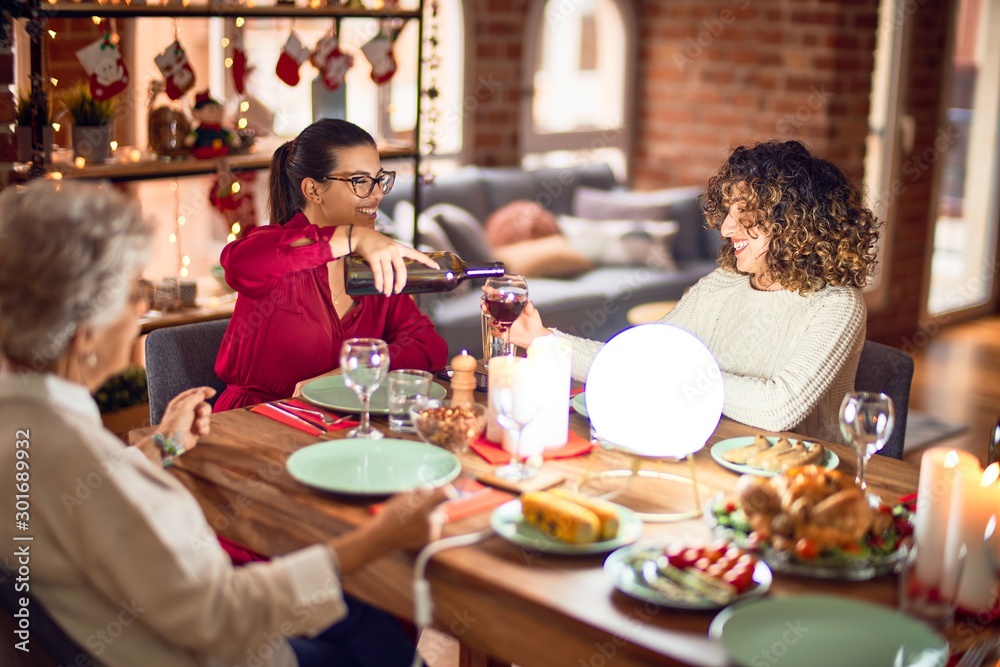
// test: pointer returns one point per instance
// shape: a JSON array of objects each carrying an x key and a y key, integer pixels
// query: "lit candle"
[
  {"x": 976, "y": 498},
  {"x": 938, "y": 468},
  {"x": 549, "y": 362}
]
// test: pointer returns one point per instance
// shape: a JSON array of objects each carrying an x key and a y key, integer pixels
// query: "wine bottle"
[{"x": 358, "y": 279}]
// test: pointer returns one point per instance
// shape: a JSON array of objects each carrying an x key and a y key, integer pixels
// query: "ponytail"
[{"x": 282, "y": 200}]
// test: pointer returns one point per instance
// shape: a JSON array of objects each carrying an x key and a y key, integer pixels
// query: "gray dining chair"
[
  {"x": 888, "y": 370},
  {"x": 181, "y": 357}
]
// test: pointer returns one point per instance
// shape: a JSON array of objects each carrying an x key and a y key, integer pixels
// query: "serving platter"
[
  {"x": 830, "y": 459},
  {"x": 508, "y": 522}
]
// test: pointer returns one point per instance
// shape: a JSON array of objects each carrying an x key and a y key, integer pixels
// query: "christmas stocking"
[
  {"x": 379, "y": 54},
  {"x": 239, "y": 68},
  {"x": 104, "y": 65},
  {"x": 335, "y": 69},
  {"x": 293, "y": 54},
  {"x": 173, "y": 64}
]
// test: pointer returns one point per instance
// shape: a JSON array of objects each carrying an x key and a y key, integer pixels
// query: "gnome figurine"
[{"x": 209, "y": 138}]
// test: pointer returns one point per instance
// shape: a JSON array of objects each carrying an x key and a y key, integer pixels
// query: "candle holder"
[{"x": 631, "y": 396}]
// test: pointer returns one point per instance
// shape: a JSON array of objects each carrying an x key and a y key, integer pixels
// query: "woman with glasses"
[{"x": 292, "y": 314}]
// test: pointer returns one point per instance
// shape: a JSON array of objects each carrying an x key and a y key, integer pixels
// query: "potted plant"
[
  {"x": 124, "y": 401},
  {"x": 93, "y": 123},
  {"x": 22, "y": 118}
]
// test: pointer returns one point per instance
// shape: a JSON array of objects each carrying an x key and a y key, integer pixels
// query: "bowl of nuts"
[{"x": 451, "y": 427}]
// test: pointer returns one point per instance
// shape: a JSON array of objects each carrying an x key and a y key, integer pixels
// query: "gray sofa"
[{"x": 593, "y": 304}]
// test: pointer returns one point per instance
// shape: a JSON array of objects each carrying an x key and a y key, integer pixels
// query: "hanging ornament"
[
  {"x": 239, "y": 68},
  {"x": 231, "y": 195},
  {"x": 176, "y": 70},
  {"x": 331, "y": 61},
  {"x": 105, "y": 67},
  {"x": 378, "y": 51},
  {"x": 293, "y": 54}
]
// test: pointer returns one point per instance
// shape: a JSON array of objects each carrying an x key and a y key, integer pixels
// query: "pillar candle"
[
  {"x": 938, "y": 468},
  {"x": 549, "y": 363},
  {"x": 976, "y": 498}
]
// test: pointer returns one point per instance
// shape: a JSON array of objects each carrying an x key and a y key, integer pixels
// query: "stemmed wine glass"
[
  {"x": 506, "y": 297},
  {"x": 866, "y": 420},
  {"x": 515, "y": 401},
  {"x": 365, "y": 363}
]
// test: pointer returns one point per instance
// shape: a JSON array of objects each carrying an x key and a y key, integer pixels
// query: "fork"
[
  {"x": 976, "y": 654},
  {"x": 322, "y": 416}
]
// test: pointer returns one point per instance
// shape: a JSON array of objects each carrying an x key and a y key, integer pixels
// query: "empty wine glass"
[
  {"x": 515, "y": 401},
  {"x": 866, "y": 420},
  {"x": 365, "y": 363},
  {"x": 506, "y": 297}
]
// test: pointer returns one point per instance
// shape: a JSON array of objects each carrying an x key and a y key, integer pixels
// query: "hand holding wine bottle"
[
  {"x": 387, "y": 262},
  {"x": 449, "y": 271}
]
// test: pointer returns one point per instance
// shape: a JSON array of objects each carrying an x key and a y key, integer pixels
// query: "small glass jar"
[{"x": 167, "y": 123}]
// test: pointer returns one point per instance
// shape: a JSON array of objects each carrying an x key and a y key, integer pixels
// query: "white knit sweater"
[{"x": 787, "y": 360}]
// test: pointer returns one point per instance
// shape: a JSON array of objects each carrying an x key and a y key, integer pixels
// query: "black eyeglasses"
[{"x": 364, "y": 185}]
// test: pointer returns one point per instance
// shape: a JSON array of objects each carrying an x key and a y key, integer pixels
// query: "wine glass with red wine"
[{"x": 506, "y": 297}]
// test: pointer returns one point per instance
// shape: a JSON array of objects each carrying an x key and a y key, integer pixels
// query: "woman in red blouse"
[{"x": 292, "y": 314}]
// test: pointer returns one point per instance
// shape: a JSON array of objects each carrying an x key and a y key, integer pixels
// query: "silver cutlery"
[
  {"x": 977, "y": 653},
  {"x": 285, "y": 411},
  {"x": 322, "y": 416}
]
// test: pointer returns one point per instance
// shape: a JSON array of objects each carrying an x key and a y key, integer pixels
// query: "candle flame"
[
  {"x": 991, "y": 474},
  {"x": 80, "y": 162},
  {"x": 951, "y": 459}
]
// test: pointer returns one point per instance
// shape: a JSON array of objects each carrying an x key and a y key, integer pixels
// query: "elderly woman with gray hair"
[{"x": 117, "y": 541}]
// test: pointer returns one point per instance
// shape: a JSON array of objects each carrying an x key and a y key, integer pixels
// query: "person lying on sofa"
[
  {"x": 783, "y": 314},
  {"x": 137, "y": 541},
  {"x": 292, "y": 314}
]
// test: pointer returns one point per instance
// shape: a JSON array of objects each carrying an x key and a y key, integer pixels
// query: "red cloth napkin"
[
  {"x": 494, "y": 453},
  {"x": 475, "y": 498},
  {"x": 270, "y": 411},
  {"x": 347, "y": 423}
]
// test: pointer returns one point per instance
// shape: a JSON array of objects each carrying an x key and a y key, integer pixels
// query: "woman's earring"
[{"x": 92, "y": 360}]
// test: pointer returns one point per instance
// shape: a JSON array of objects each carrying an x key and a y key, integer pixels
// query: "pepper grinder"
[{"x": 463, "y": 379}]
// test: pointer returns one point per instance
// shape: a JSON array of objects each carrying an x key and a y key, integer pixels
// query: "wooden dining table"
[{"x": 500, "y": 599}]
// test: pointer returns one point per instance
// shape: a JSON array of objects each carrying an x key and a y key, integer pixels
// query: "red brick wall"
[
  {"x": 495, "y": 46},
  {"x": 714, "y": 75}
]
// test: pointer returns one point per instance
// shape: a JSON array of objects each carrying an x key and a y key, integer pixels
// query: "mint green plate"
[
  {"x": 508, "y": 522},
  {"x": 331, "y": 392},
  {"x": 372, "y": 467},
  {"x": 830, "y": 460},
  {"x": 820, "y": 630},
  {"x": 631, "y": 567},
  {"x": 579, "y": 403}
]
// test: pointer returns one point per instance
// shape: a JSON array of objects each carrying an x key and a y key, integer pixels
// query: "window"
[{"x": 579, "y": 82}]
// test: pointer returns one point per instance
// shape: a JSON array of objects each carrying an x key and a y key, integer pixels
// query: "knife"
[{"x": 296, "y": 417}]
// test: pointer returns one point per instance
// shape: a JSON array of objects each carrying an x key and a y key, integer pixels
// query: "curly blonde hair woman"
[
  {"x": 819, "y": 229},
  {"x": 783, "y": 315}
]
